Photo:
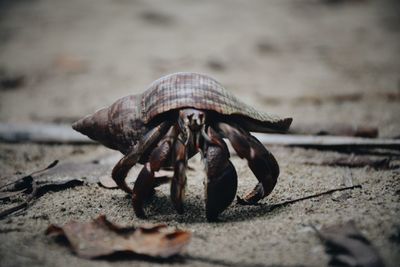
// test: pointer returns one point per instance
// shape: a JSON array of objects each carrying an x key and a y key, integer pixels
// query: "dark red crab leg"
[
  {"x": 221, "y": 183},
  {"x": 121, "y": 169},
  {"x": 145, "y": 182},
  {"x": 178, "y": 182},
  {"x": 261, "y": 162}
]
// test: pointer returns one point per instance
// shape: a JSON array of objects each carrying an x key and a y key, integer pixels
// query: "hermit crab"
[{"x": 178, "y": 116}]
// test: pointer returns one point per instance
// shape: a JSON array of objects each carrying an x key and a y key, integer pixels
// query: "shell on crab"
[{"x": 121, "y": 125}]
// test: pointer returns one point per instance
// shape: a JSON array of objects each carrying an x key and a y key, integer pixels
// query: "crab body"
[{"x": 176, "y": 117}]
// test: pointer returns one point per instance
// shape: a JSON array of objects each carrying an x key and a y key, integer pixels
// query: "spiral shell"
[{"x": 122, "y": 124}]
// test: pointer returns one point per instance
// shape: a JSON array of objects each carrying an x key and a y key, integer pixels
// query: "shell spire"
[
  {"x": 95, "y": 126},
  {"x": 118, "y": 127}
]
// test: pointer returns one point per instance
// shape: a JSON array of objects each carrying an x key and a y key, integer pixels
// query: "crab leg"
[
  {"x": 121, "y": 169},
  {"x": 221, "y": 181},
  {"x": 145, "y": 182},
  {"x": 261, "y": 162},
  {"x": 178, "y": 182}
]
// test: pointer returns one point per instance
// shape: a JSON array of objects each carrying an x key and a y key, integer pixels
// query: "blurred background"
[
  {"x": 322, "y": 62},
  {"x": 315, "y": 60}
]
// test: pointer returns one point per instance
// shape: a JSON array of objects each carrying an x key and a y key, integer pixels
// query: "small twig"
[
  {"x": 284, "y": 203},
  {"x": 53, "y": 164}
]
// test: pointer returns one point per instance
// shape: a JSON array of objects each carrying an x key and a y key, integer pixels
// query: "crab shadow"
[{"x": 160, "y": 209}]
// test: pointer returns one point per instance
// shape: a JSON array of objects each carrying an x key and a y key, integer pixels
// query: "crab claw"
[
  {"x": 221, "y": 182},
  {"x": 220, "y": 192},
  {"x": 178, "y": 182},
  {"x": 261, "y": 162}
]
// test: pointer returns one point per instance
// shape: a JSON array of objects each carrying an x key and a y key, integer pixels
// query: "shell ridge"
[{"x": 186, "y": 89}]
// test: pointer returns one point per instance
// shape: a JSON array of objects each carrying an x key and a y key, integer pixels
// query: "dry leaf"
[
  {"x": 107, "y": 182},
  {"x": 348, "y": 247},
  {"x": 100, "y": 238}
]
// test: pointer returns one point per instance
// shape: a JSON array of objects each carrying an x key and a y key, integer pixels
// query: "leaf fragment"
[
  {"x": 107, "y": 182},
  {"x": 348, "y": 247},
  {"x": 101, "y": 237}
]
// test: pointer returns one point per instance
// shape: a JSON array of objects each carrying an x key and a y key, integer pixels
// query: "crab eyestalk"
[
  {"x": 204, "y": 135},
  {"x": 192, "y": 123}
]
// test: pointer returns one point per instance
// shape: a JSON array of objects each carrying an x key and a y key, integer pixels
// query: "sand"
[{"x": 292, "y": 58}]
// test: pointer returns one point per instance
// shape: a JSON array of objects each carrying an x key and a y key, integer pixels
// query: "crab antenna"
[
  {"x": 188, "y": 134},
  {"x": 204, "y": 134}
]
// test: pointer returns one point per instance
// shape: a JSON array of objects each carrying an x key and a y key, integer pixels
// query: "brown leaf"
[
  {"x": 348, "y": 247},
  {"x": 107, "y": 182},
  {"x": 101, "y": 237}
]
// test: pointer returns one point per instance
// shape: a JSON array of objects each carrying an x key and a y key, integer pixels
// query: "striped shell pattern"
[
  {"x": 195, "y": 90},
  {"x": 122, "y": 124}
]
